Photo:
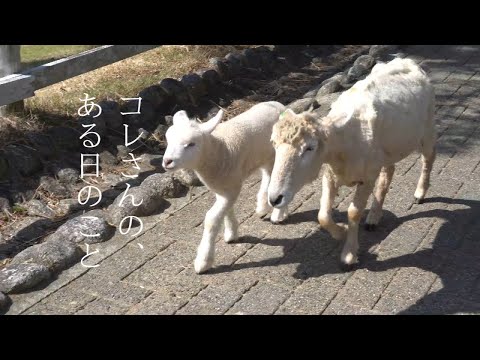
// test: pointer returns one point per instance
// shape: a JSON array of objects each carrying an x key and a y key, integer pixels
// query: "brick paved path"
[{"x": 422, "y": 259}]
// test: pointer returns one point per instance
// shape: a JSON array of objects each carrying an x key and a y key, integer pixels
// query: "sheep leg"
[
  {"x": 279, "y": 215},
  {"x": 213, "y": 222},
  {"x": 231, "y": 226},
  {"x": 355, "y": 210},
  {"x": 329, "y": 191},
  {"x": 263, "y": 208},
  {"x": 381, "y": 190},
  {"x": 428, "y": 157}
]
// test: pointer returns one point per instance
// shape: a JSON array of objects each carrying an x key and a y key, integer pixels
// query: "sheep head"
[
  {"x": 299, "y": 145},
  {"x": 185, "y": 140}
]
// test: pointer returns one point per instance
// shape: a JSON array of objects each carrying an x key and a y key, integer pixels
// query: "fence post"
[{"x": 9, "y": 64}]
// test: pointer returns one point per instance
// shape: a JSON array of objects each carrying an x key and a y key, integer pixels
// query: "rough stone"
[
  {"x": 301, "y": 105},
  {"x": 151, "y": 202},
  {"x": 68, "y": 175},
  {"x": 107, "y": 158},
  {"x": 152, "y": 192},
  {"x": 54, "y": 187},
  {"x": 23, "y": 159},
  {"x": 165, "y": 185},
  {"x": 347, "y": 80},
  {"x": 26, "y": 231},
  {"x": 160, "y": 132},
  {"x": 72, "y": 230},
  {"x": 4, "y": 168},
  {"x": 195, "y": 86},
  {"x": 22, "y": 194},
  {"x": 252, "y": 58},
  {"x": 381, "y": 51},
  {"x": 312, "y": 92},
  {"x": 85, "y": 123},
  {"x": 361, "y": 67},
  {"x": 67, "y": 206},
  {"x": 155, "y": 95},
  {"x": 267, "y": 57},
  {"x": 188, "y": 177},
  {"x": 5, "y": 301},
  {"x": 144, "y": 134},
  {"x": 55, "y": 253},
  {"x": 65, "y": 138},
  {"x": 39, "y": 208},
  {"x": 42, "y": 143},
  {"x": 168, "y": 120},
  {"x": 233, "y": 64},
  {"x": 115, "y": 139},
  {"x": 16, "y": 278},
  {"x": 154, "y": 160},
  {"x": 330, "y": 87},
  {"x": 337, "y": 76},
  {"x": 327, "y": 100},
  {"x": 111, "y": 116},
  {"x": 210, "y": 77},
  {"x": 220, "y": 67},
  {"x": 5, "y": 204},
  {"x": 88, "y": 162},
  {"x": 122, "y": 152},
  {"x": 175, "y": 89},
  {"x": 148, "y": 114}
]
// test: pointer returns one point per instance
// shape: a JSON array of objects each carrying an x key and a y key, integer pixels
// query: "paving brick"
[
  {"x": 172, "y": 261},
  {"x": 362, "y": 290},
  {"x": 111, "y": 289},
  {"x": 460, "y": 76},
  {"x": 171, "y": 292},
  {"x": 158, "y": 303},
  {"x": 408, "y": 285},
  {"x": 123, "y": 262},
  {"x": 263, "y": 299},
  {"x": 315, "y": 293},
  {"x": 102, "y": 307},
  {"x": 46, "y": 309},
  {"x": 216, "y": 299},
  {"x": 69, "y": 298}
]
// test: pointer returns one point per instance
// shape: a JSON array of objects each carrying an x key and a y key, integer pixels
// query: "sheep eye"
[
  {"x": 190, "y": 145},
  {"x": 307, "y": 149}
]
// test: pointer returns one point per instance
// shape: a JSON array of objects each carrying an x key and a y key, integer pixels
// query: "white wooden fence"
[{"x": 18, "y": 86}]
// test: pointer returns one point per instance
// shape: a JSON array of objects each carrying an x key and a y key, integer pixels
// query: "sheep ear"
[
  {"x": 211, "y": 124},
  {"x": 287, "y": 114},
  {"x": 180, "y": 118}
]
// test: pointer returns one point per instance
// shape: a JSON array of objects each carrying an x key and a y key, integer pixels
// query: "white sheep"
[
  {"x": 378, "y": 122},
  {"x": 223, "y": 155}
]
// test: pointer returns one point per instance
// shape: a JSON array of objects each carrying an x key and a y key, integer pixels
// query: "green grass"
[{"x": 34, "y": 55}]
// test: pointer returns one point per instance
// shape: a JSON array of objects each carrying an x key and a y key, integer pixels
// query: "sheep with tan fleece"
[{"x": 378, "y": 122}]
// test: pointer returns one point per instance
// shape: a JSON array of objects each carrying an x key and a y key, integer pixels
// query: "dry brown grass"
[{"x": 125, "y": 78}]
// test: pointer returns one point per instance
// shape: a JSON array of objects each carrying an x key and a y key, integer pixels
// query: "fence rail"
[{"x": 20, "y": 86}]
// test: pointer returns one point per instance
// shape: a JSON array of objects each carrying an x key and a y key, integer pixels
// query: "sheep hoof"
[
  {"x": 349, "y": 258},
  {"x": 347, "y": 267},
  {"x": 202, "y": 265},
  {"x": 278, "y": 215},
  {"x": 370, "y": 227},
  {"x": 419, "y": 201},
  {"x": 230, "y": 237}
]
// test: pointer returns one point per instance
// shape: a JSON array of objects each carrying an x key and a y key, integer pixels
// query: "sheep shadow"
[
  {"x": 306, "y": 251},
  {"x": 454, "y": 255}
]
